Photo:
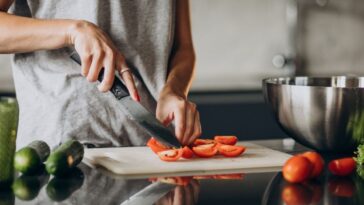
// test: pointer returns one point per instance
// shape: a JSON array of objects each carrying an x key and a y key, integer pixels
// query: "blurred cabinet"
[{"x": 6, "y": 79}]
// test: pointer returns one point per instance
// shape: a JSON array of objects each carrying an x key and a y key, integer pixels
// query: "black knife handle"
[{"x": 118, "y": 88}]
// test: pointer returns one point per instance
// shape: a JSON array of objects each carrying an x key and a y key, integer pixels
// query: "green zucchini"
[
  {"x": 62, "y": 187},
  {"x": 64, "y": 158},
  {"x": 30, "y": 158},
  {"x": 27, "y": 187}
]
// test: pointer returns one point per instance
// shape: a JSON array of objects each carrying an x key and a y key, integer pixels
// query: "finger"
[
  {"x": 179, "y": 196},
  {"x": 196, "y": 189},
  {"x": 86, "y": 61},
  {"x": 128, "y": 79},
  {"x": 189, "y": 200},
  {"x": 190, "y": 122},
  {"x": 197, "y": 129},
  {"x": 109, "y": 74},
  {"x": 95, "y": 68},
  {"x": 180, "y": 121}
]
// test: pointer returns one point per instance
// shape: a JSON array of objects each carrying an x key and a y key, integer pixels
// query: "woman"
[{"x": 148, "y": 42}]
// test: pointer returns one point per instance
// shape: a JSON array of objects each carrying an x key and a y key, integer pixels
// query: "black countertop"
[{"x": 95, "y": 186}]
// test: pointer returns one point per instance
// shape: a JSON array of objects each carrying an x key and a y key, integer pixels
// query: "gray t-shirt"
[{"x": 57, "y": 103}]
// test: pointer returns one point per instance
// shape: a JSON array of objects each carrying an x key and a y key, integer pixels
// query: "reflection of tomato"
[
  {"x": 316, "y": 190},
  {"x": 181, "y": 181},
  {"x": 187, "y": 153},
  {"x": 317, "y": 161},
  {"x": 228, "y": 140},
  {"x": 295, "y": 194},
  {"x": 204, "y": 176},
  {"x": 342, "y": 167},
  {"x": 229, "y": 176},
  {"x": 170, "y": 155},
  {"x": 343, "y": 187},
  {"x": 156, "y": 146},
  {"x": 297, "y": 169},
  {"x": 205, "y": 151},
  {"x": 231, "y": 150}
]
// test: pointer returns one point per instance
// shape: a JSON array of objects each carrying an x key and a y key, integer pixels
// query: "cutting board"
[{"x": 142, "y": 161}]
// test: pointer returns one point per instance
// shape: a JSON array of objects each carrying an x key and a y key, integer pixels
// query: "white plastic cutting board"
[{"x": 142, "y": 161}]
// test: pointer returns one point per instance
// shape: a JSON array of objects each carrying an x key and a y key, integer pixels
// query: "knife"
[
  {"x": 137, "y": 112},
  {"x": 150, "y": 194}
]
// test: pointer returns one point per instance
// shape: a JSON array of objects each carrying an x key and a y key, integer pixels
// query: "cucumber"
[
  {"x": 62, "y": 187},
  {"x": 30, "y": 158},
  {"x": 27, "y": 188},
  {"x": 64, "y": 158},
  {"x": 7, "y": 197}
]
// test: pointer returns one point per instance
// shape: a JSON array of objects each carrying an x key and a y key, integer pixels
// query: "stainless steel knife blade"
[
  {"x": 150, "y": 194},
  {"x": 137, "y": 112}
]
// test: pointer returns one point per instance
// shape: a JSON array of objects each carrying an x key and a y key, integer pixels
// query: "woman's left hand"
[{"x": 174, "y": 106}]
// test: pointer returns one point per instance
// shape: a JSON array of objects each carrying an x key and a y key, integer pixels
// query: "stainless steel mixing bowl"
[{"x": 326, "y": 114}]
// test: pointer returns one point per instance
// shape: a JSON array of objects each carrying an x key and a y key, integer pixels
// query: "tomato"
[
  {"x": 205, "y": 151},
  {"x": 181, "y": 181},
  {"x": 156, "y": 146},
  {"x": 203, "y": 142},
  {"x": 229, "y": 176},
  {"x": 231, "y": 150},
  {"x": 187, "y": 153},
  {"x": 228, "y": 140},
  {"x": 342, "y": 167},
  {"x": 297, "y": 169},
  {"x": 317, "y": 161},
  {"x": 296, "y": 194},
  {"x": 317, "y": 190},
  {"x": 170, "y": 155},
  {"x": 342, "y": 187}
]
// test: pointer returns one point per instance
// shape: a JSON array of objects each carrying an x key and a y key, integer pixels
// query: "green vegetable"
[
  {"x": 7, "y": 197},
  {"x": 60, "y": 188},
  {"x": 27, "y": 188},
  {"x": 64, "y": 158},
  {"x": 30, "y": 158},
  {"x": 359, "y": 155}
]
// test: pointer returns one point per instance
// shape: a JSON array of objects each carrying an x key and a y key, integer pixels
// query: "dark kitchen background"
[{"x": 240, "y": 42}]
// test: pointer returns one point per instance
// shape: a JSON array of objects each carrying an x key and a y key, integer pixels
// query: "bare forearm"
[
  {"x": 182, "y": 71},
  {"x": 182, "y": 64},
  {"x": 21, "y": 34}
]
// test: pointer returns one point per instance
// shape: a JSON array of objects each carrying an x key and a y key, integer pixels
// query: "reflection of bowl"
[{"x": 326, "y": 114}]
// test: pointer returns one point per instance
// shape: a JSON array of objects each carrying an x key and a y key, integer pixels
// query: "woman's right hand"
[{"x": 97, "y": 51}]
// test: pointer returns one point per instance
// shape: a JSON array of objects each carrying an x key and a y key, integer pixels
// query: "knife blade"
[{"x": 136, "y": 111}]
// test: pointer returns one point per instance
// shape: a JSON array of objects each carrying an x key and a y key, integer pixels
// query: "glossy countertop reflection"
[{"x": 87, "y": 185}]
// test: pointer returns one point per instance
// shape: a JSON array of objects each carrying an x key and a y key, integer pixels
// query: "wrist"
[
  {"x": 170, "y": 89},
  {"x": 72, "y": 28}
]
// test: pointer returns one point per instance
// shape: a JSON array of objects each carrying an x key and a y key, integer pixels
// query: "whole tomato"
[
  {"x": 297, "y": 169},
  {"x": 317, "y": 161}
]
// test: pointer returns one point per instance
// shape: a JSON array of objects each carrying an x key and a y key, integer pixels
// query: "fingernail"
[{"x": 137, "y": 97}]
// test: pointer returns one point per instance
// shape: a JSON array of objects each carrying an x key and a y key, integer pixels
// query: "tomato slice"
[
  {"x": 170, "y": 155},
  {"x": 231, "y": 150},
  {"x": 317, "y": 162},
  {"x": 198, "y": 142},
  {"x": 156, "y": 146},
  {"x": 187, "y": 153},
  {"x": 227, "y": 140},
  {"x": 342, "y": 167},
  {"x": 205, "y": 151}
]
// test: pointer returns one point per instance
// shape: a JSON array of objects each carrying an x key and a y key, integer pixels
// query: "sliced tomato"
[
  {"x": 187, "y": 153},
  {"x": 342, "y": 167},
  {"x": 231, "y": 150},
  {"x": 156, "y": 146},
  {"x": 205, "y": 151},
  {"x": 317, "y": 162},
  {"x": 198, "y": 142},
  {"x": 170, "y": 155},
  {"x": 228, "y": 140}
]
